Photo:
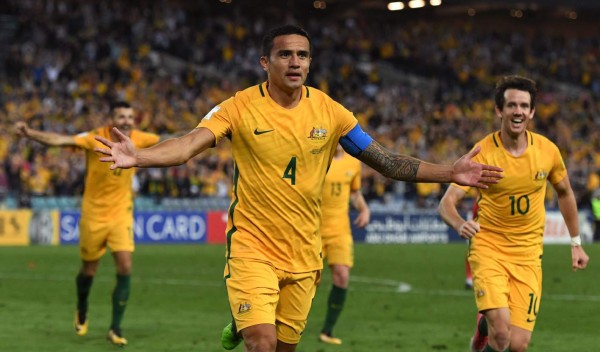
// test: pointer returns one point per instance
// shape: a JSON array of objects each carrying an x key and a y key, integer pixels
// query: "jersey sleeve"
[
  {"x": 85, "y": 140},
  {"x": 346, "y": 119},
  {"x": 559, "y": 170},
  {"x": 464, "y": 188},
  {"x": 218, "y": 120},
  {"x": 352, "y": 137},
  {"x": 145, "y": 139}
]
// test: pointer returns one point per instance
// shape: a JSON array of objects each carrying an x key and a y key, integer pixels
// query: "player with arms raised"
[
  {"x": 106, "y": 212},
  {"x": 283, "y": 136}
]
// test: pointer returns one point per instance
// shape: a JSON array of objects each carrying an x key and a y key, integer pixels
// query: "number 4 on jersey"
[{"x": 290, "y": 171}]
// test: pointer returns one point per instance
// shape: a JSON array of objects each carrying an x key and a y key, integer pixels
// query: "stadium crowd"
[{"x": 420, "y": 88}]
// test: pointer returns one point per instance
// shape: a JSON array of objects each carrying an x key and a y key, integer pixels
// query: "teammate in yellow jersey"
[
  {"x": 342, "y": 185},
  {"x": 106, "y": 212},
  {"x": 283, "y": 136},
  {"x": 506, "y": 237}
]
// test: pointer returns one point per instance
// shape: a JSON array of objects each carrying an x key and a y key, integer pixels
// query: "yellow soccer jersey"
[
  {"x": 281, "y": 157},
  {"x": 512, "y": 213},
  {"x": 342, "y": 178},
  {"x": 108, "y": 193}
]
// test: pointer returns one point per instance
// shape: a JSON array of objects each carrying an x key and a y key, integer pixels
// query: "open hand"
[
  {"x": 362, "y": 219},
  {"x": 121, "y": 153},
  {"x": 466, "y": 172}
]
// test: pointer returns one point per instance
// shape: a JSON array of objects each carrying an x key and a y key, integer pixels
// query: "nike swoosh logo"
[
  {"x": 257, "y": 132},
  {"x": 530, "y": 320}
]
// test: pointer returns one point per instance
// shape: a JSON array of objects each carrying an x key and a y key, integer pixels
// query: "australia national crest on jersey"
[
  {"x": 541, "y": 175},
  {"x": 244, "y": 307},
  {"x": 317, "y": 134}
]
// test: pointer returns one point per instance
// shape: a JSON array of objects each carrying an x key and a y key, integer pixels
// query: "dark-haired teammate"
[
  {"x": 106, "y": 212},
  {"x": 283, "y": 136},
  {"x": 506, "y": 237}
]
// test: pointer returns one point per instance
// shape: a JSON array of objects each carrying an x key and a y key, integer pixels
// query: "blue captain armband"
[{"x": 355, "y": 141}]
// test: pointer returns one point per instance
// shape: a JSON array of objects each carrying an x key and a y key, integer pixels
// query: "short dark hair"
[
  {"x": 267, "y": 41},
  {"x": 119, "y": 104},
  {"x": 515, "y": 82}
]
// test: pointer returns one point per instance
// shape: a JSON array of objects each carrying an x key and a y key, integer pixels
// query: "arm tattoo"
[{"x": 396, "y": 166}]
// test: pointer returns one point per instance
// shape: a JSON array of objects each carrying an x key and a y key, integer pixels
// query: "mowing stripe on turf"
[
  {"x": 171, "y": 282},
  {"x": 375, "y": 285}
]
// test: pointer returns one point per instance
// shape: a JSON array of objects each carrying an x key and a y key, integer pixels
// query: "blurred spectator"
[
  {"x": 428, "y": 195},
  {"x": 39, "y": 179},
  {"x": 595, "y": 203},
  {"x": 421, "y": 87},
  {"x": 3, "y": 187}
]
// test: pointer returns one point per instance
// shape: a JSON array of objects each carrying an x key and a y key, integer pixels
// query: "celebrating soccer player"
[
  {"x": 283, "y": 136},
  {"x": 506, "y": 237},
  {"x": 106, "y": 212}
]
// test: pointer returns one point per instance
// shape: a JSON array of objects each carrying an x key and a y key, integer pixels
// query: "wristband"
[{"x": 576, "y": 241}]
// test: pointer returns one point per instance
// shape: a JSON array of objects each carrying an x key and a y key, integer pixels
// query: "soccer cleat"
[
  {"x": 229, "y": 338},
  {"x": 116, "y": 338},
  {"x": 329, "y": 339},
  {"x": 81, "y": 329},
  {"x": 478, "y": 341}
]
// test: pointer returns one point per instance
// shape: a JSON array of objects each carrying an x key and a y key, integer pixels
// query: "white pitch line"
[{"x": 394, "y": 286}]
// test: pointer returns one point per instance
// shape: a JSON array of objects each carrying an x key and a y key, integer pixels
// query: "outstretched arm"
[
  {"x": 448, "y": 210},
  {"x": 405, "y": 168},
  {"x": 568, "y": 208},
  {"x": 171, "y": 152},
  {"x": 47, "y": 138}
]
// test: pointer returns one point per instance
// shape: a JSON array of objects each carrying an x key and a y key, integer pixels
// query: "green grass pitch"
[{"x": 402, "y": 298}]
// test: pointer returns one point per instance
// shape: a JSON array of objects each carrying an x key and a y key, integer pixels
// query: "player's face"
[
  {"x": 123, "y": 119},
  {"x": 288, "y": 64},
  {"x": 516, "y": 112}
]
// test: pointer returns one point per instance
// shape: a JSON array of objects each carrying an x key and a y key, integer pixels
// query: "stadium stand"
[{"x": 420, "y": 88}]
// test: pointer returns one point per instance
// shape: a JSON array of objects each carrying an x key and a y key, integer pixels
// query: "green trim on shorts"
[{"x": 236, "y": 176}]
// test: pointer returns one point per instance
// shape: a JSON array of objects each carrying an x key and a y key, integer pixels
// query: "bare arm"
[
  {"x": 568, "y": 209},
  {"x": 568, "y": 205},
  {"x": 448, "y": 210},
  {"x": 405, "y": 168},
  {"x": 47, "y": 138},
  {"x": 171, "y": 152},
  {"x": 359, "y": 203}
]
